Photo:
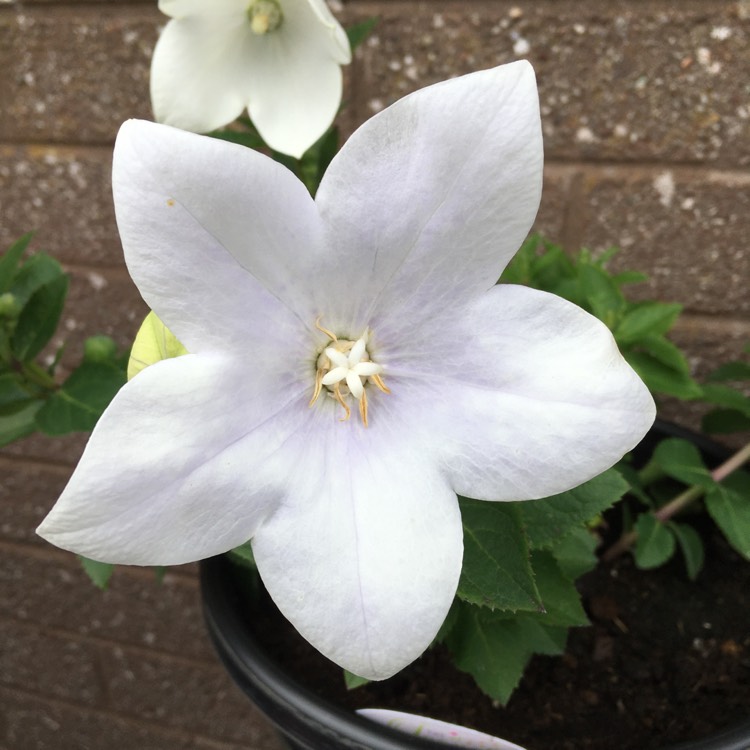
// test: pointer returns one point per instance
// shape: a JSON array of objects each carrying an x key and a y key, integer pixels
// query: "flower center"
[
  {"x": 345, "y": 370},
  {"x": 265, "y": 16}
]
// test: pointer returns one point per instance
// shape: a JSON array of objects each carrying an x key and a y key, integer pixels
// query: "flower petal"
[
  {"x": 428, "y": 200},
  {"x": 199, "y": 71},
  {"x": 545, "y": 403},
  {"x": 222, "y": 268},
  {"x": 365, "y": 554},
  {"x": 181, "y": 466},
  {"x": 294, "y": 77}
]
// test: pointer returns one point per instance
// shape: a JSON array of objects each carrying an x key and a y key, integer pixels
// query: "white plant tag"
[{"x": 439, "y": 731}]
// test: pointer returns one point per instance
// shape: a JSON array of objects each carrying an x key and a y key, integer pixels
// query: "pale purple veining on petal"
[{"x": 495, "y": 392}]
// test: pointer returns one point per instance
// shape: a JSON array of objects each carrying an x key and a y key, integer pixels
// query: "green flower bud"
[
  {"x": 153, "y": 342},
  {"x": 99, "y": 349}
]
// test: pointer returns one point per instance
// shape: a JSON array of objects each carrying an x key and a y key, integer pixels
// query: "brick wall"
[{"x": 646, "y": 107}]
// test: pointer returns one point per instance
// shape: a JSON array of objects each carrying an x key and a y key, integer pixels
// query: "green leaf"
[
  {"x": 496, "y": 572},
  {"x": 9, "y": 261},
  {"x": 662, "y": 378},
  {"x": 655, "y": 543},
  {"x": 731, "y": 371},
  {"x": 603, "y": 295},
  {"x": 11, "y": 392},
  {"x": 493, "y": 650},
  {"x": 647, "y": 318},
  {"x": 561, "y": 600},
  {"x": 681, "y": 460},
  {"x": 664, "y": 351},
  {"x": 243, "y": 138},
  {"x": 358, "y": 32},
  {"x": 724, "y": 421},
  {"x": 691, "y": 546},
  {"x": 629, "y": 277},
  {"x": 726, "y": 396},
  {"x": 549, "y": 520},
  {"x": 19, "y": 422},
  {"x": 98, "y": 572},
  {"x": 243, "y": 555},
  {"x": 38, "y": 270},
  {"x": 81, "y": 400},
  {"x": 729, "y": 505},
  {"x": 575, "y": 553},
  {"x": 353, "y": 681},
  {"x": 38, "y": 320}
]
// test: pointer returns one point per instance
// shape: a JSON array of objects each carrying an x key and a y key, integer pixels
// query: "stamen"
[
  {"x": 379, "y": 383},
  {"x": 344, "y": 369},
  {"x": 363, "y": 408},
  {"x": 318, "y": 387},
  {"x": 328, "y": 333},
  {"x": 340, "y": 399}
]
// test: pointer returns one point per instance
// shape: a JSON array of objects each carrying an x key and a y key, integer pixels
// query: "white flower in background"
[
  {"x": 294, "y": 312},
  {"x": 280, "y": 59}
]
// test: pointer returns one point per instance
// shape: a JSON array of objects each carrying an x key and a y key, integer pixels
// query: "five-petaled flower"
[
  {"x": 280, "y": 59},
  {"x": 495, "y": 392}
]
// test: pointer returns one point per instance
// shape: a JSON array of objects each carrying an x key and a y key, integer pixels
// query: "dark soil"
[{"x": 665, "y": 660}]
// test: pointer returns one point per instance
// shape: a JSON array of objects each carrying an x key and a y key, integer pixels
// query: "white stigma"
[
  {"x": 344, "y": 369},
  {"x": 350, "y": 368}
]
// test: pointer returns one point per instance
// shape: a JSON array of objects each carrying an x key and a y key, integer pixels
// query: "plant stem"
[{"x": 626, "y": 541}]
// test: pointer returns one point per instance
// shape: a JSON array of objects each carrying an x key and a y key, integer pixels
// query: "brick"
[
  {"x": 52, "y": 591},
  {"x": 551, "y": 219},
  {"x": 65, "y": 449},
  {"x": 73, "y": 74},
  {"x": 30, "y": 723},
  {"x": 65, "y": 196},
  {"x": 618, "y": 80},
  {"x": 48, "y": 664},
  {"x": 99, "y": 302},
  {"x": 27, "y": 492},
  {"x": 686, "y": 228},
  {"x": 216, "y": 706}
]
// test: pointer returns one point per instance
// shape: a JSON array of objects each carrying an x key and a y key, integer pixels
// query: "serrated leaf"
[
  {"x": 493, "y": 650},
  {"x": 575, "y": 553},
  {"x": 561, "y": 600},
  {"x": 38, "y": 319},
  {"x": 655, "y": 543},
  {"x": 20, "y": 421},
  {"x": 726, "y": 396},
  {"x": 681, "y": 460},
  {"x": 496, "y": 571},
  {"x": 98, "y": 572},
  {"x": 731, "y": 371},
  {"x": 691, "y": 546},
  {"x": 662, "y": 378},
  {"x": 10, "y": 259},
  {"x": 81, "y": 400},
  {"x": 548, "y": 520},
  {"x": 729, "y": 505},
  {"x": 724, "y": 421},
  {"x": 358, "y": 32}
]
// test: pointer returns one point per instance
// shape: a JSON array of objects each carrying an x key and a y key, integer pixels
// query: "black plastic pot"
[{"x": 309, "y": 723}]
